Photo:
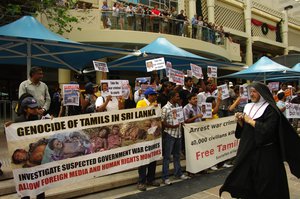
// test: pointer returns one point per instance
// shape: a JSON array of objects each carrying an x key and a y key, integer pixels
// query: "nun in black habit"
[{"x": 266, "y": 141}]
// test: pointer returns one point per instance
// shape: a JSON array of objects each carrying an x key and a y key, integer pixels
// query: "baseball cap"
[
  {"x": 29, "y": 102},
  {"x": 143, "y": 80},
  {"x": 90, "y": 86},
  {"x": 150, "y": 91}
]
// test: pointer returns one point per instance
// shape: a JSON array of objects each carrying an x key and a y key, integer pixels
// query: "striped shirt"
[{"x": 167, "y": 116}]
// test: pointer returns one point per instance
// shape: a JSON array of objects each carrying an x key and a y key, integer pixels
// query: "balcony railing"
[{"x": 153, "y": 23}]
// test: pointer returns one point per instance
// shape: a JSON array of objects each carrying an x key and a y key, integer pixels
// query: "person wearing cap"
[
  {"x": 267, "y": 140},
  {"x": 88, "y": 103},
  {"x": 144, "y": 177},
  {"x": 29, "y": 111},
  {"x": 37, "y": 88},
  {"x": 138, "y": 94}
]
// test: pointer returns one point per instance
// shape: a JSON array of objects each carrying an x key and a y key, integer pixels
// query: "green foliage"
[{"x": 56, "y": 12}]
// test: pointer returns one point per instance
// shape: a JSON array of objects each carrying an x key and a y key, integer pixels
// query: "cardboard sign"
[
  {"x": 224, "y": 90},
  {"x": 176, "y": 76},
  {"x": 177, "y": 114}
]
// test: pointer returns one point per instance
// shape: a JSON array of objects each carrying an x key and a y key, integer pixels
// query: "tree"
[{"x": 55, "y": 10}]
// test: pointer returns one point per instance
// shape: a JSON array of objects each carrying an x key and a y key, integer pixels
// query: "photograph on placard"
[
  {"x": 111, "y": 87},
  {"x": 169, "y": 64},
  {"x": 224, "y": 90},
  {"x": 212, "y": 71},
  {"x": 125, "y": 89},
  {"x": 155, "y": 64},
  {"x": 206, "y": 109},
  {"x": 100, "y": 66},
  {"x": 177, "y": 114},
  {"x": 196, "y": 71}
]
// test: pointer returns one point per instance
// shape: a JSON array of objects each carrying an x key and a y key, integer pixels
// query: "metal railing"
[{"x": 160, "y": 24}]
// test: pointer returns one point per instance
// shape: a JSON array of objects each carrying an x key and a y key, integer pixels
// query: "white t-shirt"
[{"x": 111, "y": 106}]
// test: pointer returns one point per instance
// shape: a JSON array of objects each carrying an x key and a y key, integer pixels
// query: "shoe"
[
  {"x": 142, "y": 187},
  {"x": 227, "y": 165},
  {"x": 167, "y": 182},
  {"x": 153, "y": 183},
  {"x": 214, "y": 168},
  {"x": 184, "y": 177}
]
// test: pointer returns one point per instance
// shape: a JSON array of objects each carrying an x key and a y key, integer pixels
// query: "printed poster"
[
  {"x": 224, "y": 90},
  {"x": 196, "y": 71},
  {"x": 100, "y": 66},
  {"x": 71, "y": 94},
  {"x": 176, "y": 76},
  {"x": 206, "y": 110},
  {"x": 212, "y": 71},
  {"x": 178, "y": 117},
  {"x": 292, "y": 110},
  {"x": 155, "y": 64},
  {"x": 111, "y": 87}
]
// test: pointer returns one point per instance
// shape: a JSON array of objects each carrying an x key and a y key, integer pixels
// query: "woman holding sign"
[{"x": 266, "y": 140}]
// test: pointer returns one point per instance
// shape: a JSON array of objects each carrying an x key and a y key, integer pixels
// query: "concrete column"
[
  {"x": 247, "y": 14},
  {"x": 64, "y": 77},
  {"x": 285, "y": 28},
  {"x": 211, "y": 10},
  {"x": 192, "y": 8}
]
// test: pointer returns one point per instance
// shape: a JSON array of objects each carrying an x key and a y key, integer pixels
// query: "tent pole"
[
  {"x": 28, "y": 57},
  {"x": 264, "y": 78}
]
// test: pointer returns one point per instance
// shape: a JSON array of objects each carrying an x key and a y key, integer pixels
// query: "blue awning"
[
  {"x": 263, "y": 69},
  {"x": 161, "y": 47},
  {"x": 27, "y": 42}
]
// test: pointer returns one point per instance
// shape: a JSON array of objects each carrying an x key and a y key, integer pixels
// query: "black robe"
[{"x": 259, "y": 171}]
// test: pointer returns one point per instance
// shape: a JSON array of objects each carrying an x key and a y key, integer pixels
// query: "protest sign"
[
  {"x": 178, "y": 117},
  {"x": 212, "y": 71},
  {"x": 244, "y": 94},
  {"x": 71, "y": 94},
  {"x": 206, "y": 110},
  {"x": 224, "y": 90},
  {"x": 100, "y": 66},
  {"x": 70, "y": 149},
  {"x": 111, "y": 87},
  {"x": 196, "y": 71},
  {"x": 189, "y": 73},
  {"x": 155, "y": 64},
  {"x": 292, "y": 110},
  {"x": 273, "y": 86},
  {"x": 176, "y": 76},
  {"x": 209, "y": 142}
]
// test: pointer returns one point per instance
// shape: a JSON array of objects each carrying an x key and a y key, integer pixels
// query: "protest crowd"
[{"x": 198, "y": 99}]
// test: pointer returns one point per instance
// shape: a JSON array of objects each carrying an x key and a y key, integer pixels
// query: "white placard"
[
  {"x": 155, "y": 64},
  {"x": 292, "y": 110},
  {"x": 206, "y": 110},
  {"x": 176, "y": 76},
  {"x": 212, "y": 71},
  {"x": 114, "y": 87},
  {"x": 224, "y": 90},
  {"x": 177, "y": 114},
  {"x": 196, "y": 71},
  {"x": 100, "y": 66}
]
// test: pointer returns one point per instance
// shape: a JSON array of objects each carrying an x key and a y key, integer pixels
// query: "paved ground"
[{"x": 205, "y": 186}]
